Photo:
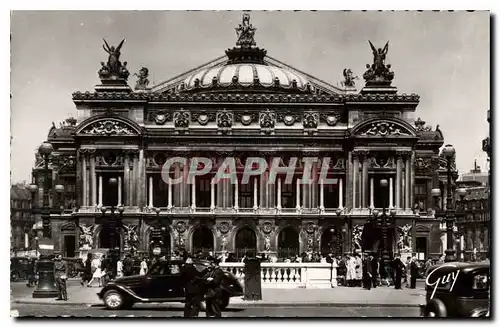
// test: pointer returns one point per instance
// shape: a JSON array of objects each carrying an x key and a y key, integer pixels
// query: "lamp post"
[
  {"x": 46, "y": 287},
  {"x": 157, "y": 236},
  {"x": 450, "y": 213},
  {"x": 382, "y": 220}
]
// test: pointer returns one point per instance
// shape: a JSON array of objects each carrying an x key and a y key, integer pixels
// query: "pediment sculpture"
[{"x": 107, "y": 128}]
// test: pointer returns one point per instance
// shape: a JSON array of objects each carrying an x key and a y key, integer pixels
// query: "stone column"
[
  {"x": 355, "y": 173},
  {"x": 150, "y": 195},
  {"x": 177, "y": 187},
  {"x": 341, "y": 194},
  {"x": 298, "y": 195},
  {"x": 119, "y": 190},
  {"x": 236, "y": 195},
  {"x": 84, "y": 180},
  {"x": 408, "y": 205},
  {"x": 100, "y": 190},
  {"x": 193, "y": 194},
  {"x": 391, "y": 196},
  {"x": 364, "y": 180},
  {"x": 93, "y": 188},
  {"x": 126, "y": 179},
  {"x": 372, "y": 190},
  {"x": 169, "y": 205},
  {"x": 399, "y": 164},
  {"x": 135, "y": 181},
  {"x": 278, "y": 206},
  {"x": 255, "y": 204},
  {"x": 321, "y": 196},
  {"x": 141, "y": 180}
]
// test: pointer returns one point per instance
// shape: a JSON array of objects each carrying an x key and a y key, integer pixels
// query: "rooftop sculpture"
[
  {"x": 378, "y": 73},
  {"x": 113, "y": 69}
]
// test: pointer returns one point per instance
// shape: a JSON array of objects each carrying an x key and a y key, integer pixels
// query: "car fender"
[{"x": 122, "y": 289}]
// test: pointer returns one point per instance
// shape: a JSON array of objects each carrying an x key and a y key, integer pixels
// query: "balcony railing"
[{"x": 289, "y": 275}]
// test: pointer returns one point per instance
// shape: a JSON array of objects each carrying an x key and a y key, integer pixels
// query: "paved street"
[{"x": 175, "y": 311}]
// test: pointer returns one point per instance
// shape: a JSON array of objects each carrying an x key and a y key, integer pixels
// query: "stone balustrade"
[{"x": 289, "y": 275}]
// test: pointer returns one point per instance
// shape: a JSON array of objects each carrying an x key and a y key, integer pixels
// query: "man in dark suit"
[
  {"x": 193, "y": 288},
  {"x": 128, "y": 266},
  {"x": 398, "y": 267},
  {"x": 214, "y": 278},
  {"x": 413, "y": 272},
  {"x": 375, "y": 269},
  {"x": 367, "y": 271}
]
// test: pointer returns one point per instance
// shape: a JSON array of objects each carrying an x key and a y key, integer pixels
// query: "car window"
[{"x": 165, "y": 269}]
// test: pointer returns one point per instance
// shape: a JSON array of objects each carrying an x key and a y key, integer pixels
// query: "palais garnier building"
[{"x": 246, "y": 104}]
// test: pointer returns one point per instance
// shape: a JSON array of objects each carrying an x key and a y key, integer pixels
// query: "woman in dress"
[
  {"x": 97, "y": 275},
  {"x": 351, "y": 271},
  {"x": 144, "y": 267}
]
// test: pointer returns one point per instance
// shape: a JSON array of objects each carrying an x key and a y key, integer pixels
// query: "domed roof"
[{"x": 246, "y": 75}]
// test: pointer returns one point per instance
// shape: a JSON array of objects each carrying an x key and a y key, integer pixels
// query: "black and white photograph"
[{"x": 250, "y": 164}]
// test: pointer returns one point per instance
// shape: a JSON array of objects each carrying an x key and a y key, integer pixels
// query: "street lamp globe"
[
  {"x": 103, "y": 209},
  {"x": 332, "y": 230},
  {"x": 436, "y": 193},
  {"x": 46, "y": 148},
  {"x": 33, "y": 188},
  {"x": 448, "y": 151},
  {"x": 113, "y": 181},
  {"x": 375, "y": 213},
  {"x": 384, "y": 183},
  {"x": 121, "y": 209},
  {"x": 59, "y": 188},
  {"x": 163, "y": 228},
  {"x": 157, "y": 210}
]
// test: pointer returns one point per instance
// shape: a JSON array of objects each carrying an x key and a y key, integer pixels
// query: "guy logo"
[{"x": 443, "y": 280}]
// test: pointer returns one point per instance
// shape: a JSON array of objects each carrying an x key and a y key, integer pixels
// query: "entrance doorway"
[
  {"x": 288, "y": 243},
  {"x": 245, "y": 243},
  {"x": 69, "y": 246},
  {"x": 109, "y": 237},
  {"x": 202, "y": 240},
  {"x": 331, "y": 241}
]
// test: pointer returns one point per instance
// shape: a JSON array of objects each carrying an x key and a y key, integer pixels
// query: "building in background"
[
  {"x": 21, "y": 220},
  {"x": 246, "y": 104}
]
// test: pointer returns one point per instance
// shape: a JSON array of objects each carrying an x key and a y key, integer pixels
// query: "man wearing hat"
[
  {"x": 367, "y": 271},
  {"x": 193, "y": 287},
  {"x": 214, "y": 277}
]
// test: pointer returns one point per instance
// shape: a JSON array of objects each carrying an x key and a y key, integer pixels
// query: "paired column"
[
  {"x": 321, "y": 196},
  {"x": 84, "y": 180},
  {"x": 255, "y": 204},
  {"x": 126, "y": 179},
  {"x": 150, "y": 195},
  {"x": 408, "y": 205},
  {"x": 236, "y": 195},
  {"x": 391, "y": 196},
  {"x": 364, "y": 179},
  {"x": 193, "y": 194},
  {"x": 119, "y": 190},
  {"x": 341, "y": 193},
  {"x": 372, "y": 190},
  {"x": 100, "y": 191},
  {"x": 278, "y": 206},
  {"x": 93, "y": 185},
  {"x": 355, "y": 173},
  {"x": 298, "y": 195},
  {"x": 399, "y": 164},
  {"x": 169, "y": 205}
]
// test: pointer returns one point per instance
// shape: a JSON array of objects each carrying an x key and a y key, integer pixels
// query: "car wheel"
[
  {"x": 14, "y": 276},
  {"x": 435, "y": 308},
  {"x": 224, "y": 301},
  {"x": 113, "y": 300}
]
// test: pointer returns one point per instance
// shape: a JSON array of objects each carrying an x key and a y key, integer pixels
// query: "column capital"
[
  {"x": 361, "y": 154},
  {"x": 403, "y": 154}
]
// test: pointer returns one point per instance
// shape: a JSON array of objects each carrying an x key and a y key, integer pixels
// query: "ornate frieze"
[
  {"x": 331, "y": 119},
  {"x": 224, "y": 120},
  {"x": 202, "y": 117},
  {"x": 384, "y": 129},
  {"x": 360, "y": 154},
  {"x": 288, "y": 118},
  {"x": 423, "y": 164},
  {"x": 159, "y": 117},
  {"x": 382, "y": 162},
  {"x": 181, "y": 119},
  {"x": 246, "y": 118},
  {"x": 311, "y": 119},
  {"x": 107, "y": 128},
  {"x": 404, "y": 154},
  {"x": 267, "y": 120}
]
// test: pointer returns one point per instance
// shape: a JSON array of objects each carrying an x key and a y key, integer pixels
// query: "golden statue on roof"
[{"x": 245, "y": 32}]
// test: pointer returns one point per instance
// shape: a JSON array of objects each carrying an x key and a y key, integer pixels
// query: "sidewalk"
[{"x": 336, "y": 297}]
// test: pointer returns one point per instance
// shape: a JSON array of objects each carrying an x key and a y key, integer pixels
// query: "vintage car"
[
  {"x": 162, "y": 283},
  {"x": 457, "y": 289},
  {"x": 19, "y": 268}
]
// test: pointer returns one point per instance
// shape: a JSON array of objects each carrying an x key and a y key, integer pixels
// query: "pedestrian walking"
[
  {"x": 375, "y": 270},
  {"x": 119, "y": 268},
  {"x": 213, "y": 278},
  {"x": 97, "y": 272},
  {"x": 31, "y": 272},
  {"x": 128, "y": 265},
  {"x": 144, "y": 267},
  {"x": 351, "y": 271},
  {"x": 399, "y": 268},
  {"x": 413, "y": 272},
  {"x": 87, "y": 271},
  {"x": 61, "y": 275},
  {"x": 407, "y": 271},
  {"x": 427, "y": 265},
  {"x": 367, "y": 271},
  {"x": 193, "y": 288},
  {"x": 359, "y": 270}
]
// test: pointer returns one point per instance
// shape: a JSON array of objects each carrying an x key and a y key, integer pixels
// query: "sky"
[{"x": 442, "y": 56}]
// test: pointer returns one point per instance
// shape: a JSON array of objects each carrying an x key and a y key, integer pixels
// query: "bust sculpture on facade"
[
  {"x": 142, "y": 79},
  {"x": 349, "y": 78}
]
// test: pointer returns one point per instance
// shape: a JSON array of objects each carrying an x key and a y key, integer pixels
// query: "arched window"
[
  {"x": 288, "y": 243},
  {"x": 245, "y": 242},
  {"x": 202, "y": 240}
]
